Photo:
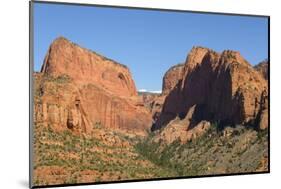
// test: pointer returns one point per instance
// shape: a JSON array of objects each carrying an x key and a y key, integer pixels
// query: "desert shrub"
[
  {"x": 61, "y": 79},
  {"x": 150, "y": 150},
  {"x": 97, "y": 125},
  {"x": 262, "y": 134}
]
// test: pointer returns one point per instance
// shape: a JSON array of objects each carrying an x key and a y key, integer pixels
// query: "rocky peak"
[
  {"x": 171, "y": 78},
  {"x": 195, "y": 56},
  {"x": 78, "y": 89},
  {"x": 234, "y": 57},
  {"x": 223, "y": 88},
  {"x": 194, "y": 59},
  {"x": 87, "y": 67}
]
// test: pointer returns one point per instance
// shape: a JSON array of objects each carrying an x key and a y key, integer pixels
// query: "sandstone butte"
[
  {"x": 99, "y": 92},
  {"x": 211, "y": 87}
]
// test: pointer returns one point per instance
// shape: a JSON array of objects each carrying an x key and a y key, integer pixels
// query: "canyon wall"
[
  {"x": 221, "y": 88},
  {"x": 78, "y": 89}
]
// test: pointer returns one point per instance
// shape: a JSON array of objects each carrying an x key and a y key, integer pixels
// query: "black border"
[{"x": 31, "y": 60}]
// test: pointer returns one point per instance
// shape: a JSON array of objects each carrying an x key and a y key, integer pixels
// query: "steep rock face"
[
  {"x": 171, "y": 78},
  {"x": 115, "y": 112},
  {"x": 262, "y": 68},
  {"x": 78, "y": 90},
  {"x": 58, "y": 104},
  {"x": 222, "y": 88},
  {"x": 85, "y": 66}
]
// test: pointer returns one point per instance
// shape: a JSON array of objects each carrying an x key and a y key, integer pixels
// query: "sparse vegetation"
[
  {"x": 213, "y": 153},
  {"x": 65, "y": 157},
  {"x": 78, "y": 157},
  {"x": 61, "y": 79}
]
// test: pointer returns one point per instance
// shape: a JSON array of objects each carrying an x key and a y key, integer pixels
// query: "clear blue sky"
[{"x": 149, "y": 42}]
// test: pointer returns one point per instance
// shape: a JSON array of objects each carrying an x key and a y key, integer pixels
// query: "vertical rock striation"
[
  {"x": 222, "y": 88},
  {"x": 78, "y": 89}
]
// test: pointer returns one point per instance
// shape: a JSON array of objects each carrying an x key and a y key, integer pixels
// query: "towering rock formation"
[
  {"x": 171, "y": 78},
  {"x": 215, "y": 87},
  {"x": 85, "y": 66},
  {"x": 78, "y": 89}
]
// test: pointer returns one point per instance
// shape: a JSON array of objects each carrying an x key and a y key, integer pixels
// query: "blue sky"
[{"x": 149, "y": 42}]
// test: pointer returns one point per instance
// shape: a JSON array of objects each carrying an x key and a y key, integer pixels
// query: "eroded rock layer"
[
  {"x": 85, "y": 66},
  {"x": 222, "y": 88},
  {"x": 78, "y": 89}
]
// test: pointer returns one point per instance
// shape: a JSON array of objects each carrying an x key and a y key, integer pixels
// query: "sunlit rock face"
[{"x": 77, "y": 89}]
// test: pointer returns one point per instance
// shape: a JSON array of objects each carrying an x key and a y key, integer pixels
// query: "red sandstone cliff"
[
  {"x": 79, "y": 89},
  {"x": 85, "y": 66},
  {"x": 171, "y": 78},
  {"x": 215, "y": 87}
]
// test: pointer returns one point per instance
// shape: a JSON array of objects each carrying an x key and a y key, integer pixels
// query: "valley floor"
[{"x": 66, "y": 158}]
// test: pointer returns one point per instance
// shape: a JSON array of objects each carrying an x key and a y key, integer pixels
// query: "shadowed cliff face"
[
  {"x": 215, "y": 87},
  {"x": 78, "y": 89}
]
